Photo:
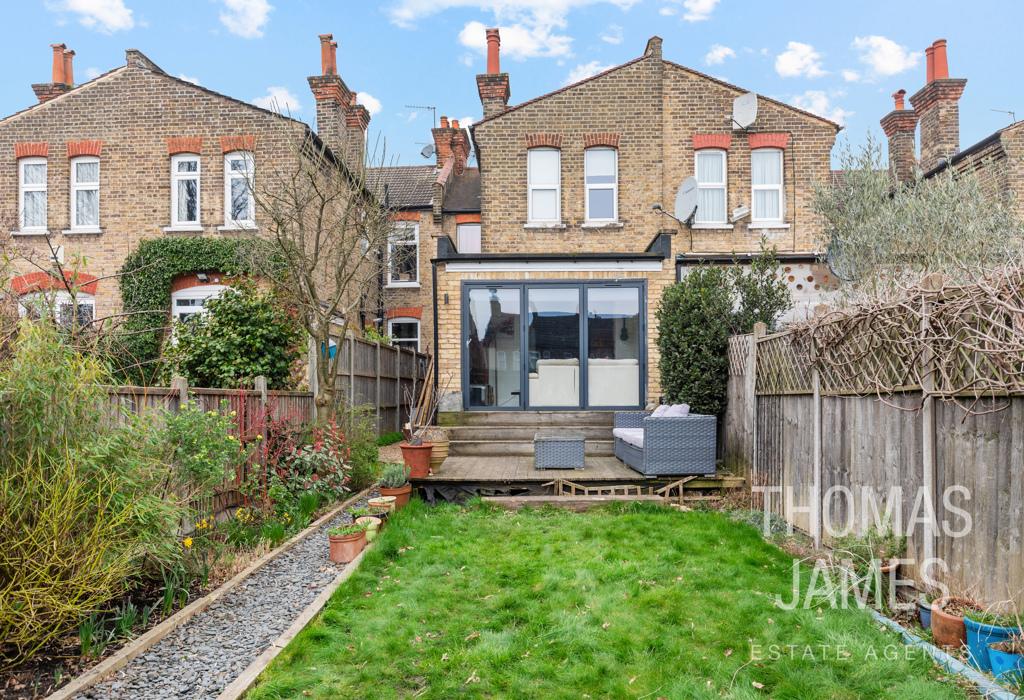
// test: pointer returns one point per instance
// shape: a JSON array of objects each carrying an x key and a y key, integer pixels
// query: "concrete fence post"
[
  {"x": 180, "y": 385},
  {"x": 760, "y": 330},
  {"x": 932, "y": 284}
]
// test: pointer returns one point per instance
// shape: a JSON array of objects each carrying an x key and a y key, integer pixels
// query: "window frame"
[
  {"x": 201, "y": 291},
  {"x": 56, "y": 298},
  {"x": 250, "y": 177},
  {"x": 24, "y": 187},
  {"x": 177, "y": 177},
  {"x": 531, "y": 187},
  {"x": 458, "y": 236},
  {"x": 614, "y": 187},
  {"x": 723, "y": 185},
  {"x": 392, "y": 242},
  {"x": 780, "y": 189},
  {"x": 405, "y": 341},
  {"x": 77, "y": 187}
]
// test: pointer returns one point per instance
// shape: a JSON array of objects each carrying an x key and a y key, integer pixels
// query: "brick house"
[
  {"x": 997, "y": 160},
  {"x": 557, "y": 310},
  {"x": 137, "y": 153}
]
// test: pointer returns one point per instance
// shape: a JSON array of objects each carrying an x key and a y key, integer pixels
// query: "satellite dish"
[
  {"x": 428, "y": 151},
  {"x": 686, "y": 200},
  {"x": 744, "y": 110},
  {"x": 837, "y": 263}
]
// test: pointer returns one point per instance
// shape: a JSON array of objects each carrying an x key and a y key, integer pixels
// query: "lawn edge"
[
  {"x": 121, "y": 658},
  {"x": 989, "y": 689},
  {"x": 247, "y": 679}
]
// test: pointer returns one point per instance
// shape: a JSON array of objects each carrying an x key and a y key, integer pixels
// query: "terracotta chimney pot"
[
  {"x": 69, "y": 67},
  {"x": 493, "y": 51},
  {"x": 57, "y": 76},
  {"x": 941, "y": 62}
]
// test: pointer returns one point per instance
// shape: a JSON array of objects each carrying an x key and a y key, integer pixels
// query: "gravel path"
[{"x": 200, "y": 659}]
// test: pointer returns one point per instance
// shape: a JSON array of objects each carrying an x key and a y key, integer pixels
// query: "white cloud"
[
  {"x": 466, "y": 59},
  {"x": 798, "y": 60},
  {"x": 189, "y": 78},
  {"x": 585, "y": 70},
  {"x": 466, "y": 122},
  {"x": 518, "y": 41},
  {"x": 667, "y": 11},
  {"x": 612, "y": 35},
  {"x": 717, "y": 54},
  {"x": 818, "y": 102},
  {"x": 698, "y": 10},
  {"x": 105, "y": 16},
  {"x": 884, "y": 56},
  {"x": 246, "y": 18},
  {"x": 850, "y": 76},
  {"x": 278, "y": 99},
  {"x": 92, "y": 72},
  {"x": 367, "y": 100}
]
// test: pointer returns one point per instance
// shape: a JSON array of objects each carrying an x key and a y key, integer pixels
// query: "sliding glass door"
[{"x": 554, "y": 345}]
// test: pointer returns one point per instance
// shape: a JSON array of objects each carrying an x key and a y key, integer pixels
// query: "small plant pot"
[
  {"x": 889, "y": 567},
  {"x": 417, "y": 458},
  {"x": 401, "y": 494},
  {"x": 373, "y": 524},
  {"x": 438, "y": 454},
  {"x": 980, "y": 636},
  {"x": 382, "y": 505},
  {"x": 345, "y": 548},
  {"x": 924, "y": 613},
  {"x": 948, "y": 629},
  {"x": 1007, "y": 667}
]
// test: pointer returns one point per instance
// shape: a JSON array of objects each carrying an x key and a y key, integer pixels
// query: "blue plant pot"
[
  {"x": 979, "y": 636},
  {"x": 924, "y": 613},
  {"x": 1007, "y": 668}
]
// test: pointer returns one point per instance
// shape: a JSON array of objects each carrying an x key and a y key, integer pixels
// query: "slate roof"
[
  {"x": 407, "y": 186},
  {"x": 463, "y": 194}
]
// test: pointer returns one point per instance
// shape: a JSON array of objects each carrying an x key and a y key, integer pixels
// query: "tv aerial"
[{"x": 744, "y": 110}]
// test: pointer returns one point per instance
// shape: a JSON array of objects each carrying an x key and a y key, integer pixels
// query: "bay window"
[
  {"x": 602, "y": 184},
  {"x": 711, "y": 173},
  {"x": 766, "y": 182},
  {"x": 185, "y": 171},
  {"x": 85, "y": 194},
  {"x": 239, "y": 206},
  {"x": 543, "y": 175},
  {"x": 32, "y": 194}
]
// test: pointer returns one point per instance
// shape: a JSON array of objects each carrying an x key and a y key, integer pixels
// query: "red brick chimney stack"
[
  {"x": 899, "y": 126},
  {"x": 61, "y": 79},
  {"x": 340, "y": 122},
  {"x": 451, "y": 142},
  {"x": 493, "y": 85},
  {"x": 937, "y": 107}
]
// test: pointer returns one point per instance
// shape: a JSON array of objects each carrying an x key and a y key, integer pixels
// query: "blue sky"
[{"x": 842, "y": 60}]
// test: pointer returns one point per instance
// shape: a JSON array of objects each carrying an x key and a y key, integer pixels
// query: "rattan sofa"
[{"x": 679, "y": 445}]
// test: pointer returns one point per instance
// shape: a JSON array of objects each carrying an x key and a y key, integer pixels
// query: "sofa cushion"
[
  {"x": 680, "y": 410},
  {"x": 633, "y": 436},
  {"x": 660, "y": 411}
]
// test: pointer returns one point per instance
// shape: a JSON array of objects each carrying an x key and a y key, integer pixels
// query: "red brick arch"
[
  {"x": 404, "y": 312},
  {"x": 44, "y": 281}
]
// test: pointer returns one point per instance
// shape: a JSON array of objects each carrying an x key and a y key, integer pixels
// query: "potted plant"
[
  {"x": 439, "y": 451},
  {"x": 948, "y": 620},
  {"x": 924, "y": 610},
  {"x": 415, "y": 450},
  {"x": 1007, "y": 659},
  {"x": 362, "y": 516},
  {"x": 984, "y": 628},
  {"x": 346, "y": 542},
  {"x": 382, "y": 505},
  {"x": 394, "y": 481}
]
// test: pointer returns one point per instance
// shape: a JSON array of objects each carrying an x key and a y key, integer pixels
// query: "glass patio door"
[
  {"x": 614, "y": 349},
  {"x": 494, "y": 352},
  {"x": 553, "y": 346}
]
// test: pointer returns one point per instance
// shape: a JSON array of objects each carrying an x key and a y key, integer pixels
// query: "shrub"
[
  {"x": 394, "y": 476},
  {"x": 390, "y": 438},
  {"x": 364, "y": 454},
  {"x": 245, "y": 334}
]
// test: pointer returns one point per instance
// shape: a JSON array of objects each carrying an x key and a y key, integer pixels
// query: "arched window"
[
  {"x": 766, "y": 184},
  {"x": 186, "y": 303},
  {"x": 544, "y": 180},
  {"x": 601, "y": 172},
  {"x": 239, "y": 205}
]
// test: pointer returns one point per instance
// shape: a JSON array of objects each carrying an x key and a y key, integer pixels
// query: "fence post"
[
  {"x": 816, "y": 486},
  {"x": 760, "y": 330},
  {"x": 377, "y": 401},
  {"x": 260, "y": 385},
  {"x": 931, "y": 283},
  {"x": 180, "y": 385},
  {"x": 398, "y": 386},
  {"x": 351, "y": 372}
]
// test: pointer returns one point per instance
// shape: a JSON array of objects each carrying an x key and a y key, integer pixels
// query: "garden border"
[
  {"x": 126, "y": 654},
  {"x": 238, "y": 687}
]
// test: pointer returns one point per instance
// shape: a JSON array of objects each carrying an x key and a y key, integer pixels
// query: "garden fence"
[{"x": 861, "y": 411}]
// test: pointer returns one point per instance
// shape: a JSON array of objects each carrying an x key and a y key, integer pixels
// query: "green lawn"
[{"x": 621, "y": 603}]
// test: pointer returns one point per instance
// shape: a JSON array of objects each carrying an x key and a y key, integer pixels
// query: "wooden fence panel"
[{"x": 738, "y": 423}]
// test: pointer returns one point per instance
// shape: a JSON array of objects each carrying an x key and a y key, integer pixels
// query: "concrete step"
[
  {"x": 537, "y": 418},
  {"x": 516, "y": 448},
  {"x": 524, "y": 433}
]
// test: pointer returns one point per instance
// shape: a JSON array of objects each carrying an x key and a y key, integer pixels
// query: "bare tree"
[{"x": 325, "y": 229}]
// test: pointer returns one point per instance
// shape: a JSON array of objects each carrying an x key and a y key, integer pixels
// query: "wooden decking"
[{"x": 513, "y": 469}]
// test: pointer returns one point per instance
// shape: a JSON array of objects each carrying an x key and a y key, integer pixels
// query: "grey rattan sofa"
[{"x": 682, "y": 445}]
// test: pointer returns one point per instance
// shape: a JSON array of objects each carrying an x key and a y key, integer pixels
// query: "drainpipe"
[{"x": 433, "y": 281}]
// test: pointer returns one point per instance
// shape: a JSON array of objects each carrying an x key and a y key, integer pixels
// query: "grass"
[{"x": 628, "y": 602}]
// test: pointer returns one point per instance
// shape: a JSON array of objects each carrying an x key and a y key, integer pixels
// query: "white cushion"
[
  {"x": 596, "y": 361},
  {"x": 677, "y": 411},
  {"x": 660, "y": 411},
  {"x": 634, "y": 436},
  {"x": 570, "y": 362}
]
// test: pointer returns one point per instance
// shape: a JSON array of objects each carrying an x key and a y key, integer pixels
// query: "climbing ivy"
[{"x": 146, "y": 277}]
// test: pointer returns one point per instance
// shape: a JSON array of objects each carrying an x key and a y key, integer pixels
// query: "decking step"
[
  {"x": 516, "y": 448},
  {"x": 523, "y": 433},
  {"x": 530, "y": 418},
  {"x": 577, "y": 503}
]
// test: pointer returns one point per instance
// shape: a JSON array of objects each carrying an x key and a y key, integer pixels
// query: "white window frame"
[
  {"x": 177, "y": 177},
  {"x": 614, "y": 187},
  {"x": 780, "y": 188},
  {"x": 393, "y": 241},
  {"x": 250, "y": 176},
  {"x": 203, "y": 292},
  {"x": 23, "y": 187},
  {"x": 458, "y": 236},
  {"x": 723, "y": 185},
  {"x": 530, "y": 187},
  {"x": 405, "y": 341},
  {"x": 55, "y": 298},
  {"x": 77, "y": 187}
]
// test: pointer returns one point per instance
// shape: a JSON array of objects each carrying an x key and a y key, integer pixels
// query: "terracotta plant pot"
[
  {"x": 948, "y": 629},
  {"x": 345, "y": 548},
  {"x": 438, "y": 455},
  {"x": 401, "y": 494},
  {"x": 382, "y": 505},
  {"x": 372, "y": 524},
  {"x": 417, "y": 458}
]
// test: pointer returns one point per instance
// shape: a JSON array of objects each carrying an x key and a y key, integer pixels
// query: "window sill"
[
  {"x": 602, "y": 224},
  {"x": 544, "y": 227},
  {"x": 191, "y": 227},
  {"x": 32, "y": 232},
  {"x": 713, "y": 227},
  {"x": 82, "y": 231},
  {"x": 237, "y": 227},
  {"x": 402, "y": 285},
  {"x": 767, "y": 226}
]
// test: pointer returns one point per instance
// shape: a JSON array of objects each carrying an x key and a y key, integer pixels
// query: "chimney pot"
[
  {"x": 444, "y": 122},
  {"x": 69, "y": 67},
  {"x": 493, "y": 51},
  {"x": 326, "y": 55},
  {"x": 941, "y": 62},
  {"x": 455, "y": 123},
  {"x": 57, "y": 76},
  {"x": 898, "y": 98},
  {"x": 929, "y": 54}
]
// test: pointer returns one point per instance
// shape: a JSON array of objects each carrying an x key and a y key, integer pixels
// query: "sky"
[{"x": 839, "y": 59}]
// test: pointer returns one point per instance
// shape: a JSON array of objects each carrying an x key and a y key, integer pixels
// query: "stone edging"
[
  {"x": 247, "y": 679},
  {"x": 988, "y": 688},
  {"x": 121, "y": 658}
]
